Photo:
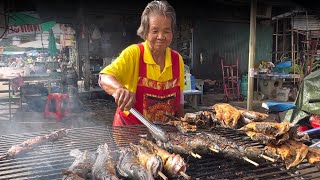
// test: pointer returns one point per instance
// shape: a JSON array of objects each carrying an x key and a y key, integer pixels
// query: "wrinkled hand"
[{"x": 124, "y": 98}]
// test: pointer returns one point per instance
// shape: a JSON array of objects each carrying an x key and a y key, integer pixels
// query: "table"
[
  {"x": 193, "y": 96},
  {"x": 38, "y": 78},
  {"x": 270, "y": 83}
]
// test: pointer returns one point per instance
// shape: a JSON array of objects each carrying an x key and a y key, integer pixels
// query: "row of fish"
[
  {"x": 284, "y": 140},
  {"x": 196, "y": 144},
  {"x": 145, "y": 161},
  {"x": 222, "y": 114}
]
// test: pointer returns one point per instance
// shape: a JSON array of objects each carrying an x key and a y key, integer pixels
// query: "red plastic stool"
[{"x": 58, "y": 105}]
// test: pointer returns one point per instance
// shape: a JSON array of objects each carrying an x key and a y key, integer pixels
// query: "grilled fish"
[
  {"x": 178, "y": 143},
  {"x": 270, "y": 128},
  {"x": 103, "y": 168},
  {"x": 182, "y": 126},
  {"x": 152, "y": 162},
  {"x": 30, "y": 144},
  {"x": 252, "y": 116},
  {"x": 82, "y": 165},
  {"x": 200, "y": 118},
  {"x": 267, "y": 138},
  {"x": 129, "y": 166},
  {"x": 173, "y": 163}
]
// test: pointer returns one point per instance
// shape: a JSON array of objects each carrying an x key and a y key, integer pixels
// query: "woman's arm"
[{"x": 124, "y": 98}]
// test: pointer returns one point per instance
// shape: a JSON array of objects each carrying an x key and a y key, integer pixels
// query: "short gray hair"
[{"x": 160, "y": 7}]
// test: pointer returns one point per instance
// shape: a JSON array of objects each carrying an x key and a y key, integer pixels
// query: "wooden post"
[
  {"x": 252, "y": 47},
  {"x": 293, "y": 61},
  {"x": 277, "y": 26},
  {"x": 83, "y": 48}
]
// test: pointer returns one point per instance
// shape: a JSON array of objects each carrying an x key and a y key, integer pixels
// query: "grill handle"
[{"x": 156, "y": 131}]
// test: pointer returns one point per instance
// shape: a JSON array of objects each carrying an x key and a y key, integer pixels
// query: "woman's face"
[{"x": 160, "y": 32}]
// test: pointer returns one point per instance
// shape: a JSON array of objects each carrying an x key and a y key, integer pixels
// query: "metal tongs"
[{"x": 157, "y": 132}]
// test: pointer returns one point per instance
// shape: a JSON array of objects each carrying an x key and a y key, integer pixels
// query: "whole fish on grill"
[
  {"x": 178, "y": 143},
  {"x": 189, "y": 143},
  {"x": 270, "y": 128},
  {"x": 273, "y": 133},
  {"x": 174, "y": 164},
  {"x": 152, "y": 162},
  {"x": 104, "y": 168},
  {"x": 128, "y": 166},
  {"x": 193, "y": 121},
  {"x": 30, "y": 144},
  {"x": 210, "y": 143},
  {"x": 252, "y": 116},
  {"x": 267, "y": 138},
  {"x": 182, "y": 126},
  {"x": 202, "y": 119},
  {"x": 82, "y": 165}
]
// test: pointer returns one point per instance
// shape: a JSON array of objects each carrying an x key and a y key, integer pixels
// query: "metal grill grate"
[{"x": 49, "y": 160}]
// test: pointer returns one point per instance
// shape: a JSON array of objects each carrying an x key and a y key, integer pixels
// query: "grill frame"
[{"x": 50, "y": 159}]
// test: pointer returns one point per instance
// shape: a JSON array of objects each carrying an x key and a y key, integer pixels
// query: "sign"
[{"x": 24, "y": 29}]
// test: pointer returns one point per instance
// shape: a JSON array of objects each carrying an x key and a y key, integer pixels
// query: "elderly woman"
[{"x": 148, "y": 76}]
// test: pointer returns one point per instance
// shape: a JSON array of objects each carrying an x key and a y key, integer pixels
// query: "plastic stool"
[{"x": 61, "y": 104}]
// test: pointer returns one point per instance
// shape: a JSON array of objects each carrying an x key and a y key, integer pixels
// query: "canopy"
[
  {"x": 37, "y": 44},
  {"x": 21, "y": 18}
]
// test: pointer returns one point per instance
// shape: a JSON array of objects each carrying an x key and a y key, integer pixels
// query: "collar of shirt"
[{"x": 148, "y": 59}]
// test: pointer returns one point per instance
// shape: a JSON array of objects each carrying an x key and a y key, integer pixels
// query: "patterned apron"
[{"x": 153, "y": 98}]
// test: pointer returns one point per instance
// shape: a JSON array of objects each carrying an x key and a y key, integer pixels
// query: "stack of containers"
[{"x": 244, "y": 86}]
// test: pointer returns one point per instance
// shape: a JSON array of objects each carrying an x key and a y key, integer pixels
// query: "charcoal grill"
[{"x": 49, "y": 160}]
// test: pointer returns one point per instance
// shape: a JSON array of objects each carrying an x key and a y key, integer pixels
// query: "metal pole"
[
  {"x": 277, "y": 24},
  {"x": 293, "y": 61},
  {"x": 252, "y": 47}
]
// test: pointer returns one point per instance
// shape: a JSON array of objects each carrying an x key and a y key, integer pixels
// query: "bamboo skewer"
[
  {"x": 267, "y": 158},
  {"x": 213, "y": 149},
  {"x": 198, "y": 156},
  {"x": 195, "y": 155},
  {"x": 250, "y": 161},
  {"x": 164, "y": 177},
  {"x": 183, "y": 174}
]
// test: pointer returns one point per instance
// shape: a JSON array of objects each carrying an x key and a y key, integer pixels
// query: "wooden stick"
[
  {"x": 250, "y": 161},
  {"x": 193, "y": 154},
  {"x": 164, "y": 177},
  {"x": 267, "y": 158},
  {"x": 198, "y": 156},
  {"x": 184, "y": 175},
  {"x": 213, "y": 149}
]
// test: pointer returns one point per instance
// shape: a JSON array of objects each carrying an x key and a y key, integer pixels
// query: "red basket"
[
  {"x": 303, "y": 128},
  {"x": 315, "y": 121}
]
